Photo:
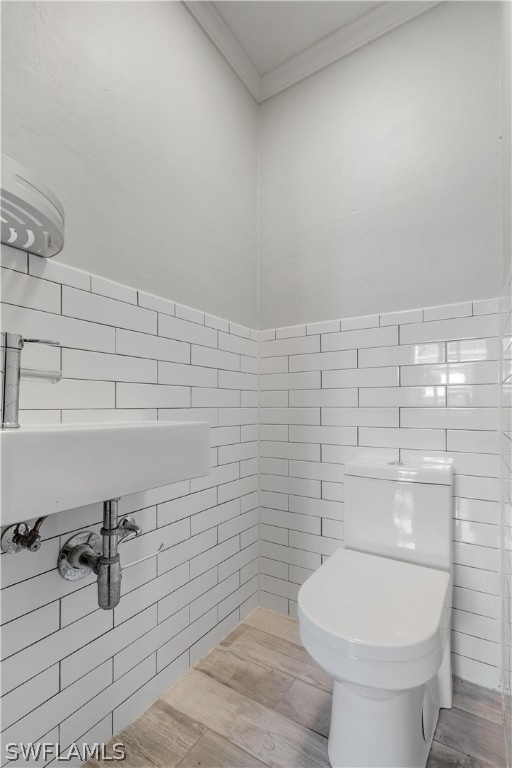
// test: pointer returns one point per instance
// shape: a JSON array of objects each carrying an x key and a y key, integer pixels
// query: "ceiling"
[
  {"x": 272, "y": 44},
  {"x": 272, "y": 32}
]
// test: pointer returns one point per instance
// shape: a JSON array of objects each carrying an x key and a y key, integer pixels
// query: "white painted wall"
[
  {"x": 379, "y": 175},
  {"x": 148, "y": 138},
  {"x": 506, "y": 133}
]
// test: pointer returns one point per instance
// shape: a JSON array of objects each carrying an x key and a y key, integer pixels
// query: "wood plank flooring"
[{"x": 258, "y": 700}]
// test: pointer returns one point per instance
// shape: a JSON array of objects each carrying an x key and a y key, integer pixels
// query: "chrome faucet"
[{"x": 11, "y": 345}]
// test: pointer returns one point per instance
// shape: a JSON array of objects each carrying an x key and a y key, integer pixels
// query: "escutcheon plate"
[
  {"x": 66, "y": 570},
  {"x": 8, "y": 545}
]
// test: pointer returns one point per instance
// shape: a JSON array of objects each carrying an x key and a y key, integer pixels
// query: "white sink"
[{"x": 47, "y": 469}]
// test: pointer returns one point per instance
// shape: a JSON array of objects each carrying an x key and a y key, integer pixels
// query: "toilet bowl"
[{"x": 377, "y": 617}]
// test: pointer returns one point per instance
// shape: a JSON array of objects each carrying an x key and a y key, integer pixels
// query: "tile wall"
[
  {"x": 71, "y": 672},
  {"x": 395, "y": 386},
  {"x": 399, "y": 386},
  {"x": 506, "y": 475}
]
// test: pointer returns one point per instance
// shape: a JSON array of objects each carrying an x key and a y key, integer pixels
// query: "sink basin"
[{"x": 47, "y": 469}]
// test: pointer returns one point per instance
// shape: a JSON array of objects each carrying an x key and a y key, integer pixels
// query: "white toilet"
[{"x": 376, "y": 615}]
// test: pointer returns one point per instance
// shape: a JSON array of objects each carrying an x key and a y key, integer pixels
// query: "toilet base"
[
  {"x": 382, "y": 729},
  {"x": 373, "y": 728}
]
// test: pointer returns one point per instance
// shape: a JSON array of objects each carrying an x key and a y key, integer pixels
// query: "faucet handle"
[
  {"x": 49, "y": 342},
  {"x": 31, "y": 373},
  {"x": 128, "y": 529}
]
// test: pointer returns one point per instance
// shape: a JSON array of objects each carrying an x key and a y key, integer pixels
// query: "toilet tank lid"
[{"x": 438, "y": 472}]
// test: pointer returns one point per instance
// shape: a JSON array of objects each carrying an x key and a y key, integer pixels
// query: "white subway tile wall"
[
  {"x": 505, "y": 450},
  {"x": 402, "y": 386},
  {"x": 68, "y": 668},
  {"x": 306, "y": 400}
]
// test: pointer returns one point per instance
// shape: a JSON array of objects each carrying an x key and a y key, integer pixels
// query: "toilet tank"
[{"x": 400, "y": 511}]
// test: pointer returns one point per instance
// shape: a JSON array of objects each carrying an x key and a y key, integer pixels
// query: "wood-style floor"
[{"x": 258, "y": 699}]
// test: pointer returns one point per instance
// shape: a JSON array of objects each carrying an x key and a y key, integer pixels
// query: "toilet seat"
[{"x": 374, "y": 608}]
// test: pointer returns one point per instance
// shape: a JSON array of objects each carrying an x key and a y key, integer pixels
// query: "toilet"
[{"x": 376, "y": 615}]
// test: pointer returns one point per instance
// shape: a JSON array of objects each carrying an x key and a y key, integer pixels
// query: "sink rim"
[{"x": 95, "y": 425}]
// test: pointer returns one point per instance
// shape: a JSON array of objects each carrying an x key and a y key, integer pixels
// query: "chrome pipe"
[
  {"x": 109, "y": 564},
  {"x": 109, "y": 532},
  {"x": 109, "y": 583}
]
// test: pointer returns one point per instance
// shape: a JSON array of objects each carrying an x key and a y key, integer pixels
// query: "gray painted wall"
[
  {"x": 148, "y": 138},
  {"x": 380, "y": 181},
  {"x": 379, "y": 175}
]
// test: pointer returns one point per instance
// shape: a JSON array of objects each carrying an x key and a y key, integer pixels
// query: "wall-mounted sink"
[{"x": 48, "y": 469}]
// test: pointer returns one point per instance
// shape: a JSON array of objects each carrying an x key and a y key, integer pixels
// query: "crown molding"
[
  {"x": 349, "y": 38},
  {"x": 340, "y": 43},
  {"x": 214, "y": 26}
]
